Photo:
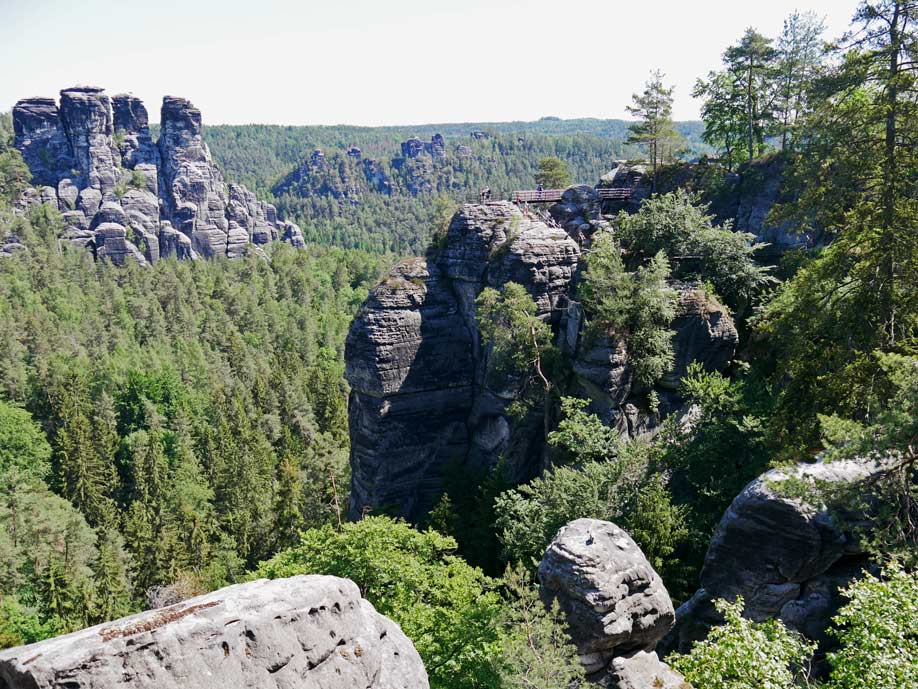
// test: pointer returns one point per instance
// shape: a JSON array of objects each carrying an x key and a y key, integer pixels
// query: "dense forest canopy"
[
  {"x": 170, "y": 429},
  {"x": 334, "y": 205}
]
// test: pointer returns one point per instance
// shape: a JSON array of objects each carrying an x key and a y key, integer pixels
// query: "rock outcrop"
[
  {"x": 785, "y": 554},
  {"x": 744, "y": 198},
  {"x": 704, "y": 333},
  {"x": 426, "y": 399},
  {"x": 305, "y": 631},
  {"x": 616, "y": 605},
  {"x": 423, "y": 396},
  {"x": 127, "y": 197}
]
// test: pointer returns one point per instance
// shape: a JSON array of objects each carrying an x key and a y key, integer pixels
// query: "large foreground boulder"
[
  {"x": 305, "y": 631},
  {"x": 783, "y": 550},
  {"x": 616, "y": 605}
]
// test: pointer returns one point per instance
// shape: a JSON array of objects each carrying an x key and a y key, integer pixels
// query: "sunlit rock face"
[
  {"x": 305, "y": 631},
  {"x": 94, "y": 159},
  {"x": 424, "y": 398}
]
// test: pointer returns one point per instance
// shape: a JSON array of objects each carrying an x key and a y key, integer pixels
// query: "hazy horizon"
[{"x": 359, "y": 63}]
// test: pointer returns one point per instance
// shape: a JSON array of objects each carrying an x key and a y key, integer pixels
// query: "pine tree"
[
  {"x": 112, "y": 598},
  {"x": 799, "y": 54},
  {"x": 752, "y": 61},
  {"x": 83, "y": 477},
  {"x": 654, "y": 109},
  {"x": 536, "y": 652}
]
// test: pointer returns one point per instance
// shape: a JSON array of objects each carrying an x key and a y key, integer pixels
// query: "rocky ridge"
[
  {"x": 425, "y": 398},
  {"x": 303, "y": 631},
  {"x": 128, "y": 198}
]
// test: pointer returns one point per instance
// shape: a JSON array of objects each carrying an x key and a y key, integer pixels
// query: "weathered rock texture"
[
  {"x": 704, "y": 333},
  {"x": 127, "y": 198},
  {"x": 616, "y": 605},
  {"x": 785, "y": 555},
  {"x": 744, "y": 198},
  {"x": 305, "y": 631},
  {"x": 424, "y": 400}
]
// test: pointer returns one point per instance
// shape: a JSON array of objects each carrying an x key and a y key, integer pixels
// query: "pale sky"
[{"x": 373, "y": 62}]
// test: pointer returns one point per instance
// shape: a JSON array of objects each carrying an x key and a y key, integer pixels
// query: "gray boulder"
[
  {"x": 616, "y": 605},
  {"x": 305, "y": 631},
  {"x": 643, "y": 670},
  {"x": 786, "y": 555}
]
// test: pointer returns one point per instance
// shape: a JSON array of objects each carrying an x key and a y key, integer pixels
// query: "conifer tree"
[
  {"x": 83, "y": 477},
  {"x": 655, "y": 130},
  {"x": 537, "y": 652}
]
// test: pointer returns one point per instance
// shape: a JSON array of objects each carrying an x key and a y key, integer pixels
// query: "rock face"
[
  {"x": 424, "y": 400},
  {"x": 616, "y": 605},
  {"x": 128, "y": 198},
  {"x": 306, "y": 631},
  {"x": 704, "y": 333},
  {"x": 785, "y": 556}
]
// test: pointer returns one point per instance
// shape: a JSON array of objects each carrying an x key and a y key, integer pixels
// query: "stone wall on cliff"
[{"x": 126, "y": 197}]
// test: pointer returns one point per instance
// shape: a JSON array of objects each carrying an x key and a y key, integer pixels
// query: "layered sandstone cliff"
[{"x": 126, "y": 197}]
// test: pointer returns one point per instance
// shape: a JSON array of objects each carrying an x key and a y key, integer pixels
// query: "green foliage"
[
  {"x": 721, "y": 449},
  {"x": 635, "y": 306},
  {"x": 581, "y": 436},
  {"x": 889, "y": 434},
  {"x": 876, "y": 630},
  {"x": 742, "y": 654},
  {"x": 520, "y": 344},
  {"x": 23, "y": 447},
  {"x": 624, "y": 490},
  {"x": 855, "y": 186},
  {"x": 553, "y": 174},
  {"x": 536, "y": 651},
  {"x": 446, "y": 607},
  {"x": 189, "y": 419},
  {"x": 680, "y": 227},
  {"x": 655, "y": 129}
]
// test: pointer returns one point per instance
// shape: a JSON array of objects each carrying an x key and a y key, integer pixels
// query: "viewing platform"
[{"x": 554, "y": 195}]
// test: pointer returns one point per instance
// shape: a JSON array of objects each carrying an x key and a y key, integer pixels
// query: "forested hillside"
[
  {"x": 616, "y": 448},
  {"x": 335, "y": 206}
]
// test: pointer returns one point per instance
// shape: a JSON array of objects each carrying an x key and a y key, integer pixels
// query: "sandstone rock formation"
[
  {"x": 785, "y": 555},
  {"x": 422, "y": 402},
  {"x": 426, "y": 400},
  {"x": 704, "y": 333},
  {"x": 305, "y": 631},
  {"x": 128, "y": 198},
  {"x": 616, "y": 605}
]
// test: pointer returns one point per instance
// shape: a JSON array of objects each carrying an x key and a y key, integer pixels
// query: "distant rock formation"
[
  {"x": 126, "y": 197},
  {"x": 616, "y": 605},
  {"x": 305, "y": 631},
  {"x": 425, "y": 398},
  {"x": 787, "y": 556}
]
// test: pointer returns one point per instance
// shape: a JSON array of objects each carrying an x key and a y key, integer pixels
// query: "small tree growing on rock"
[
  {"x": 553, "y": 174},
  {"x": 520, "y": 340},
  {"x": 742, "y": 654}
]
